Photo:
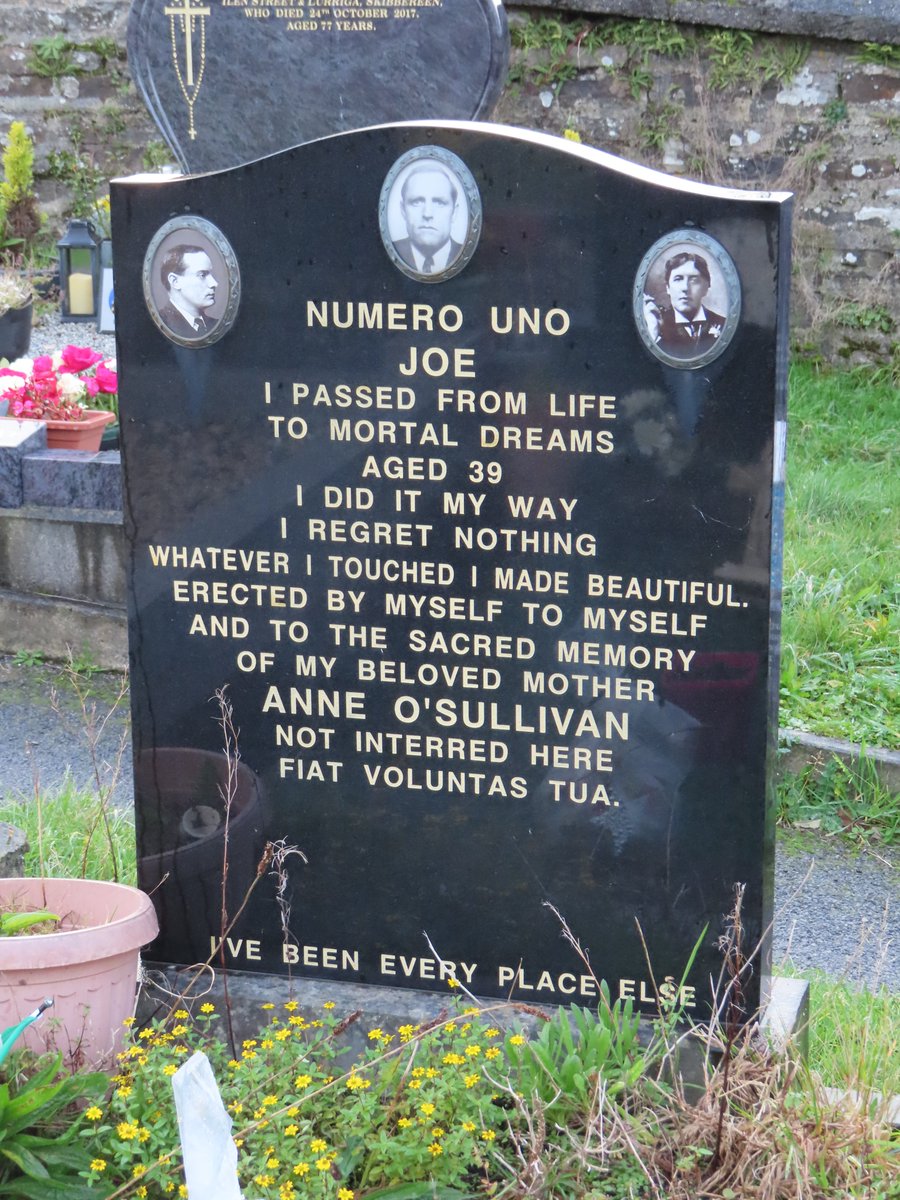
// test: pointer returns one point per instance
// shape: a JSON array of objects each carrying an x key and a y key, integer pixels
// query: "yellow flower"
[
  {"x": 98, "y": 1164},
  {"x": 182, "y": 1191},
  {"x": 291, "y": 1130},
  {"x": 267, "y": 1044},
  {"x": 465, "y": 1028},
  {"x": 469, "y": 1126},
  {"x": 317, "y": 1145},
  {"x": 572, "y": 135},
  {"x": 268, "y": 1005},
  {"x": 437, "y": 1132},
  {"x": 170, "y": 1069},
  {"x": 207, "y": 1008},
  {"x": 323, "y": 1164},
  {"x": 330, "y": 1004},
  {"x": 94, "y": 1113},
  {"x": 418, "y": 1072},
  {"x": 406, "y": 1032},
  {"x": 375, "y": 1035},
  {"x": 404, "y": 1123},
  {"x": 414, "y": 1083},
  {"x": 273, "y": 1164},
  {"x": 492, "y": 1033},
  {"x": 124, "y": 1091},
  {"x": 452, "y": 982},
  {"x": 473, "y": 1051},
  {"x": 355, "y": 1082},
  {"x": 263, "y": 1180},
  {"x": 345, "y": 1194},
  {"x": 138, "y": 1171},
  {"x": 301, "y": 1168},
  {"x": 435, "y": 1149},
  {"x": 303, "y": 1081},
  {"x": 143, "y": 1135},
  {"x": 249, "y": 1043},
  {"x": 180, "y": 1014},
  {"x": 282, "y": 1035},
  {"x": 492, "y": 1052},
  {"x": 142, "y": 1191},
  {"x": 291, "y": 1005},
  {"x": 471, "y": 1080},
  {"x": 127, "y": 1130},
  {"x": 488, "y": 1135},
  {"x": 453, "y": 1060},
  {"x": 431, "y": 1073},
  {"x": 296, "y": 1021},
  {"x": 517, "y": 1040},
  {"x": 268, "y": 1101},
  {"x": 427, "y": 1109}
]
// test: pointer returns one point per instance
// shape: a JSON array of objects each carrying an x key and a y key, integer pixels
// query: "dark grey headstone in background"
[{"x": 259, "y": 76}]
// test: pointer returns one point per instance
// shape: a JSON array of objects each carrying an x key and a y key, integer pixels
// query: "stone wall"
[{"x": 780, "y": 104}]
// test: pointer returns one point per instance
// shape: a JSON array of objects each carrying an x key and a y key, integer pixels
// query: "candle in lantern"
[{"x": 81, "y": 294}]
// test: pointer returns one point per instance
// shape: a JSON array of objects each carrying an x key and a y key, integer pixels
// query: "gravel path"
[
  {"x": 52, "y": 334},
  {"x": 835, "y": 910}
]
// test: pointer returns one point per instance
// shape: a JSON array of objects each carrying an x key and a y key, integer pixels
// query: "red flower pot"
[{"x": 78, "y": 435}]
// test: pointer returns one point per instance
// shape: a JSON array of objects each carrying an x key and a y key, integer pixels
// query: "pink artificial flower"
[
  {"x": 43, "y": 365},
  {"x": 91, "y": 385},
  {"x": 107, "y": 380},
  {"x": 79, "y": 358},
  {"x": 7, "y": 371}
]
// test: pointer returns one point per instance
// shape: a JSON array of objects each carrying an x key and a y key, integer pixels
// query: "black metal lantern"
[{"x": 79, "y": 272}]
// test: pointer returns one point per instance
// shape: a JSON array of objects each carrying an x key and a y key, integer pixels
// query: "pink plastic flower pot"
[{"x": 89, "y": 967}]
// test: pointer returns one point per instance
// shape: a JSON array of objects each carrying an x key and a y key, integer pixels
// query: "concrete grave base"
[{"x": 784, "y": 1022}]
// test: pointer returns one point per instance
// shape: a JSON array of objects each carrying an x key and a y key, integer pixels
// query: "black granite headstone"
[
  {"x": 229, "y": 81},
  {"x": 486, "y": 551}
]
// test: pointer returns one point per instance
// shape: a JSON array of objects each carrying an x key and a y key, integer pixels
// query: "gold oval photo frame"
[
  {"x": 397, "y": 223},
  {"x": 664, "y": 328},
  {"x": 185, "y": 242}
]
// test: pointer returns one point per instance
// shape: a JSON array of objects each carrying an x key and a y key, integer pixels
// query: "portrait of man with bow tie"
[{"x": 675, "y": 316}]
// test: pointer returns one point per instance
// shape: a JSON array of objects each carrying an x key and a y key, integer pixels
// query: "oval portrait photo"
[
  {"x": 192, "y": 284},
  {"x": 429, "y": 214},
  {"x": 687, "y": 298}
]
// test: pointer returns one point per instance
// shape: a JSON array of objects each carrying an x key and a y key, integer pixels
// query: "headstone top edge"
[{"x": 590, "y": 154}]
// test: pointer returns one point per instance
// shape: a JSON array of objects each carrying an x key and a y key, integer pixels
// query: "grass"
[
  {"x": 72, "y": 835},
  {"x": 841, "y": 799},
  {"x": 854, "y": 1035},
  {"x": 840, "y": 672}
]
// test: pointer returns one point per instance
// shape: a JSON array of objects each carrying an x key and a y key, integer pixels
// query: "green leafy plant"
[
  {"x": 577, "y": 1045},
  {"x": 41, "y": 1154},
  {"x": 13, "y": 924},
  {"x": 879, "y": 55},
  {"x": 27, "y": 658},
  {"x": 835, "y": 111},
  {"x": 876, "y": 316},
  {"x": 418, "y": 1106},
  {"x": 51, "y": 57},
  {"x": 19, "y": 217}
]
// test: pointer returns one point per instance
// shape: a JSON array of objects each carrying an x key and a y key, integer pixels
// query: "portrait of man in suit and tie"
[
  {"x": 430, "y": 214},
  {"x": 191, "y": 282},
  {"x": 687, "y": 297},
  {"x": 187, "y": 275}
]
